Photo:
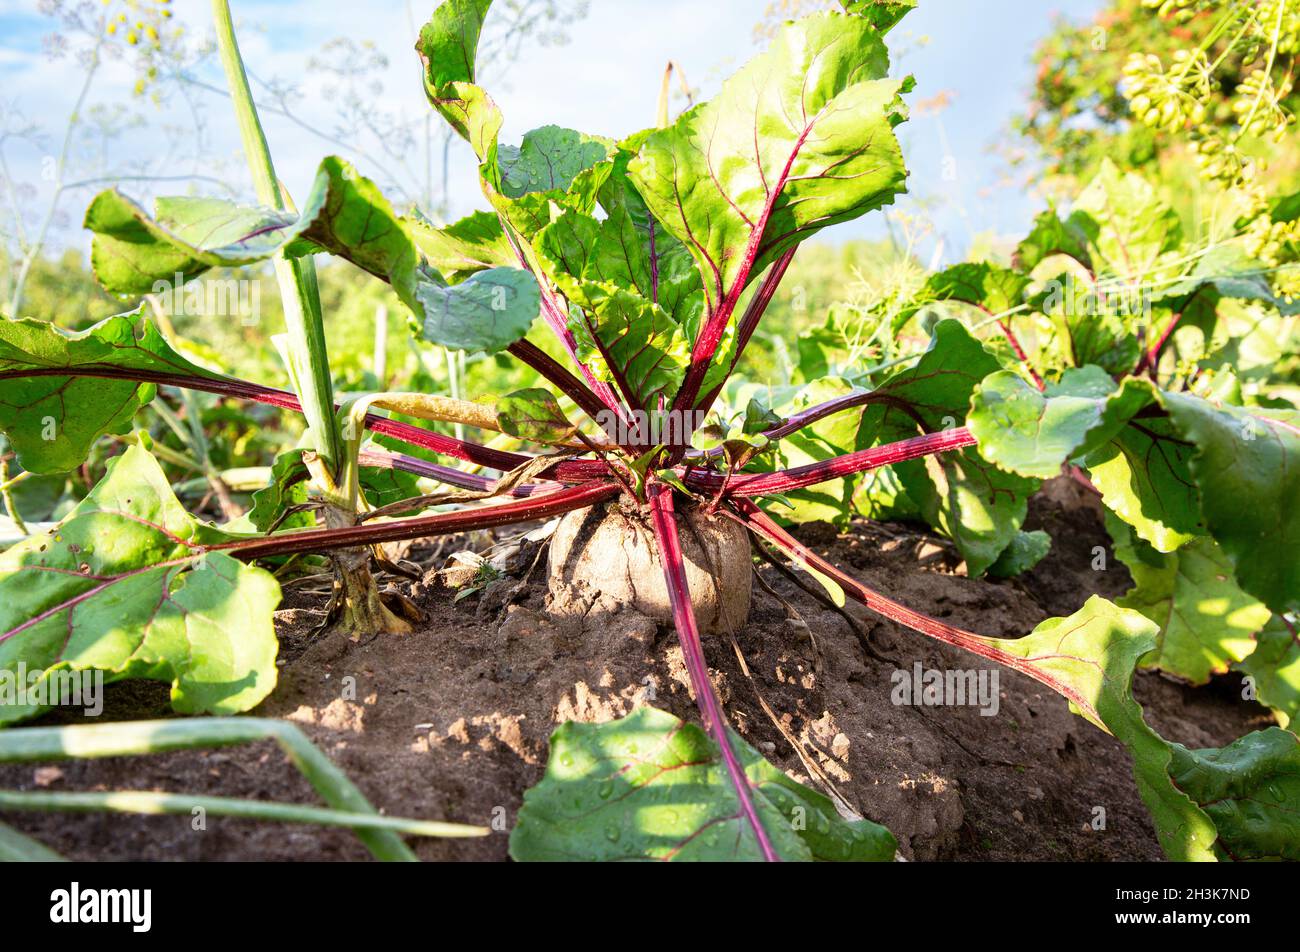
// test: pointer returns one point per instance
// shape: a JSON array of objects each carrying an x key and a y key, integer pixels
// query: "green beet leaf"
[
  {"x": 798, "y": 139},
  {"x": 1206, "y": 621},
  {"x": 1128, "y": 227},
  {"x": 1032, "y": 432},
  {"x": 882, "y": 14},
  {"x": 633, "y": 342},
  {"x": 834, "y": 435},
  {"x": 987, "y": 287},
  {"x": 1274, "y": 669},
  {"x": 650, "y": 787},
  {"x": 1089, "y": 658},
  {"x": 1025, "y": 551},
  {"x": 346, "y": 215},
  {"x": 1251, "y": 790},
  {"x": 1144, "y": 475},
  {"x": 120, "y": 586},
  {"x": 1245, "y": 462},
  {"x": 448, "y": 48},
  {"x": 286, "y": 488},
  {"x": 1052, "y": 236},
  {"x": 475, "y": 243},
  {"x": 1140, "y": 463},
  {"x": 135, "y": 254},
  {"x": 974, "y": 502},
  {"x": 547, "y": 160},
  {"x": 591, "y": 259},
  {"x": 52, "y": 421}
]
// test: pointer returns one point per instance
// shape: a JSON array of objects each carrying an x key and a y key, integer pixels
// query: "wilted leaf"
[{"x": 533, "y": 414}]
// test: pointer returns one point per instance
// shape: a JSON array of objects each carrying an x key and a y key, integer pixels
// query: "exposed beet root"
[{"x": 610, "y": 549}]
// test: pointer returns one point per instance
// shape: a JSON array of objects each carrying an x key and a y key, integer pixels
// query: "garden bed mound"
[{"x": 452, "y": 721}]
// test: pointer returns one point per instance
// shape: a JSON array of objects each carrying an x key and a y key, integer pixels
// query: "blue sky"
[{"x": 605, "y": 81}]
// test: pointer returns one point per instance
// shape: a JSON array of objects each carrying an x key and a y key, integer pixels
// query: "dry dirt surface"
[{"x": 452, "y": 722}]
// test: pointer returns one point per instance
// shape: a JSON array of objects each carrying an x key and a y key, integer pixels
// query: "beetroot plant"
[{"x": 651, "y": 261}]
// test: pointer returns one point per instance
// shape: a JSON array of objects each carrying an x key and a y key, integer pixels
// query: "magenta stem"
[
  {"x": 762, "y": 525},
  {"x": 753, "y": 314},
  {"x": 420, "y": 527},
  {"x": 384, "y": 459},
  {"x": 660, "y": 498},
  {"x": 1150, "y": 359},
  {"x": 1021, "y": 354},
  {"x": 706, "y": 345},
  {"x": 569, "y": 471},
  {"x": 557, "y": 320},
  {"x": 800, "y": 477},
  {"x": 542, "y": 362}
]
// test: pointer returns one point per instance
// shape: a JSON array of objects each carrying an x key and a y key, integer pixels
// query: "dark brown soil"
[{"x": 452, "y": 722}]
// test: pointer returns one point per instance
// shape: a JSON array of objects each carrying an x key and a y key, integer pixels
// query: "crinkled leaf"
[
  {"x": 630, "y": 340},
  {"x": 533, "y": 414},
  {"x": 548, "y": 160},
  {"x": 590, "y": 259},
  {"x": 488, "y": 311},
  {"x": 1251, "y": 790},
  {"x": 968, "y": 499},
  {"x": 798, "y": 139},
  {"x": 659, "y": 264},
  {"x": 1094, "y": 324},
  {"x": 53, "y": 421},
  {"x": 650, "y": 787},
  {"x": 552, "y": 169},
  {"x": 120, "y": 586},
  {"x": 1247, "y": 464},
  {"x": 1206, "y": 621}
]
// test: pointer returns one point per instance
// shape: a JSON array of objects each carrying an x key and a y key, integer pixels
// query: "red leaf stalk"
[{"x": 715, "y": 721}]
